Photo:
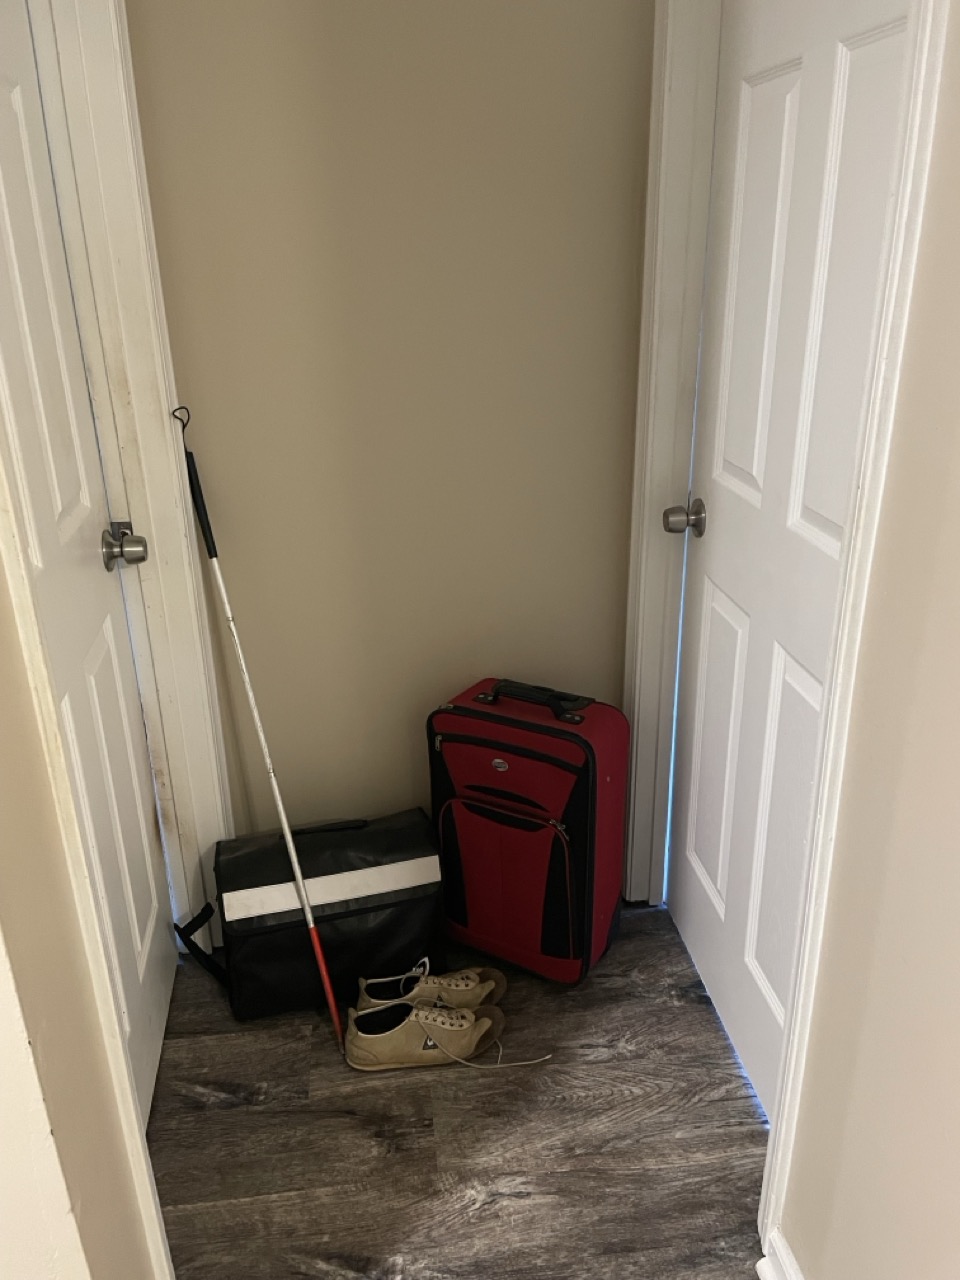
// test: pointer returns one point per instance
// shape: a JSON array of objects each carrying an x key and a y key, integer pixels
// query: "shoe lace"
[
  {"x": 419, "y": 971},
  {"x": 440, "y": 1015},
  {"x": 459, "y": 981},
  {"x": 456, "y": 1020},
  {"x": 491, "y": 1066},
  {"x": 420, "y": 975}
]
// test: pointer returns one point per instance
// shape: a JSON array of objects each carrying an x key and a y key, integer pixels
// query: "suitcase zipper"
[{"x": 440, "y": 738}]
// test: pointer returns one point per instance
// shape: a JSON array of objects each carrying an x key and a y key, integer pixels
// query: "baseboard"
[{"x": 779, "y": 1263}]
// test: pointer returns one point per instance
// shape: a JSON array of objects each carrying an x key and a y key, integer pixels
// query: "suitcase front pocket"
[{"x": 507, "y": 878}]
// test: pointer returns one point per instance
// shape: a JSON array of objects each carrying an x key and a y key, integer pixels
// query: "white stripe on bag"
[{"x": 344, "y": 886}]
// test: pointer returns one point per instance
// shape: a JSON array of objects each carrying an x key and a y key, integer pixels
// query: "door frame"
[
  {"x": 686, "y": 42},
  {"x": 686, "y": 51}
]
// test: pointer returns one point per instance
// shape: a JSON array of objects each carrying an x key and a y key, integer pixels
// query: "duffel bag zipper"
[{"x": 536, "y": 818}]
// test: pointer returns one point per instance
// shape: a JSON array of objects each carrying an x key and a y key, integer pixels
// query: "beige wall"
[
  {"x": 40, "y": 928},
  {"x": 399, "y": 245},
  {"x": 877, "y": 1177}
]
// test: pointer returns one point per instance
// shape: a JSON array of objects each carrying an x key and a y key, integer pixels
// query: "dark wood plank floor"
[{"x": 635, "y": 1154}]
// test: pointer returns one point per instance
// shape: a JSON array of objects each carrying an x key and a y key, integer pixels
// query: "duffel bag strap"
[{"x": 185, "y": 933}]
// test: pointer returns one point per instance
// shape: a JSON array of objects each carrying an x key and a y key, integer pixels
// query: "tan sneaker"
[
  {"x": 401, "y": 1034},
  {"x": 464, "y": 989}
]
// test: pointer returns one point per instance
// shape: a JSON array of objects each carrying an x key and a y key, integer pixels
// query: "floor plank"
[{"x": 634, "y": 1153}]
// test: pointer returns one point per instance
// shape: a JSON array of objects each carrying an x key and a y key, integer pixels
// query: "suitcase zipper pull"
[
  {"x": 436, "y": 741},
  {"x": 559, "y": 826}
]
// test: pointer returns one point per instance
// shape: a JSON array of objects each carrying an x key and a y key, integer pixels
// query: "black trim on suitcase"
[
  {"x": 505, "y": 817},
  {"x": 451, "y": 862},
  {"x": 579, "y": 814},
  {"x": 509, "y": 797},
  {"x": 557, "y": 933}
]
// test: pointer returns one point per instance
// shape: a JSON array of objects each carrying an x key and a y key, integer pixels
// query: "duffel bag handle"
[
  {"x": 564, "y": 706},
  {"x": 203, "y": 958}
]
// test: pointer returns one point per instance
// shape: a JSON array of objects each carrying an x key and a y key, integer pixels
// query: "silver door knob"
[
  {"x": 119, "y": 542},
  {"x": 680, "y": 519}
]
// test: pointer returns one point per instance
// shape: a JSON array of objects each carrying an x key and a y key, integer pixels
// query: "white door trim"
[
  {"x": 685, "y": 58},
  {"x": 686, "y": 40},
  {"x": 87, "y": 80},
  {"x": 778, "y": 1262}
]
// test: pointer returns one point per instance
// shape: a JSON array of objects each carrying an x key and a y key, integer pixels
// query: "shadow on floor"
[{"x": 635, "y": 1153}]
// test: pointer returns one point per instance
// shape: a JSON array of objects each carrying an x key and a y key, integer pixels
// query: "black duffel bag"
[{"x": 375, "y": 891}]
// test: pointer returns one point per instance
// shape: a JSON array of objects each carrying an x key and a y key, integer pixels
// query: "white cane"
[{"x": 203, "y": 520}]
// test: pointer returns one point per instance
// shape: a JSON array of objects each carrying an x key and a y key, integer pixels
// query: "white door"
[
  {"x": 808, "y": 137},
  {"x": 52, "y": 487}
]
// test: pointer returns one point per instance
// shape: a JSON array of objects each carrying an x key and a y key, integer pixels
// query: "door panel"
[
  {"x": 808, "y": 134},
  {"x": 50, "y": 457},
  {"x": 783, "y": 821},
  {"x": 719, "y": 698},
  {"x": 765, "y": 145},
  {"x": 850, "y": 241}
]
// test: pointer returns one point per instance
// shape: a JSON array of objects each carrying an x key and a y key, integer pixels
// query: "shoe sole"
[{"x": 492, "y": 1033}]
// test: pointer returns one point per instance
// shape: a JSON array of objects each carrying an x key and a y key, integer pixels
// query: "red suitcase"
[{"x": 529, "y": 795}]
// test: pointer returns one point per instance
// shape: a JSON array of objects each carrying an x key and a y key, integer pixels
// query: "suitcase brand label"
[{"x": 500, "y": 765}]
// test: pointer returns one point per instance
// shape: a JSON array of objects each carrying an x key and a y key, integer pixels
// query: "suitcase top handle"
[{"x": 564, "y": 706}]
